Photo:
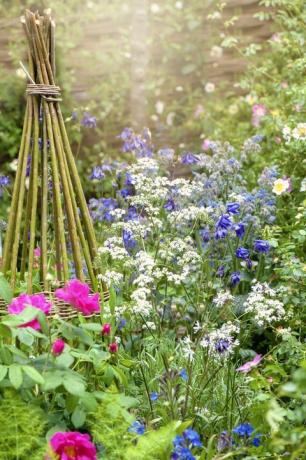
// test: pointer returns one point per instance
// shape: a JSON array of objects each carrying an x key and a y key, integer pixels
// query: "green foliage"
[
  {"x": 22, "y": 428},
  {"x": 154, "y": 445},
  {"x": 109, "y": 424}
]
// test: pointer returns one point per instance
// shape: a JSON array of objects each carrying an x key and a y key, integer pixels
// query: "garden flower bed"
[{"x": 196, "y": 349}]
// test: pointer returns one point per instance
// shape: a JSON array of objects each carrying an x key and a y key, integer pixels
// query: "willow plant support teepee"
[{"x": 49, "y": 209}]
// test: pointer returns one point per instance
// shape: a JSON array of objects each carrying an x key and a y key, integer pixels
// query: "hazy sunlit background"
[{"x": 159, "y": 64}]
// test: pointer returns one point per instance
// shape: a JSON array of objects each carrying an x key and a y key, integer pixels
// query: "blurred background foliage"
[{"x": 135, "y": 63}]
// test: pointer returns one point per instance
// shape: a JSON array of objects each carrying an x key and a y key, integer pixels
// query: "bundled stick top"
[{"x": 48, "y": 207}]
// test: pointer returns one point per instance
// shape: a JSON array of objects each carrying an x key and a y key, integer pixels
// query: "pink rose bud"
[
  {"x": 58, "y": 347},
  {"x": 113, "y": 347},
  {"x": 106, "y": 329}
]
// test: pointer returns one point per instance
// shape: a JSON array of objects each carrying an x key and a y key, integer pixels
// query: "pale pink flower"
[
  {"x": 246, "y": 367},
  {"x": 37, "y": 301},
  {"x": 206, "y": 144},
  {"x": 258, "y": 111},
  {"x": 58, "y": 347},
  {"x": 198, "y": 111},
  {"x": 78, "y": 295},
  {"x": 37, "y": 252},
  {"x": 73, "y": 445}
]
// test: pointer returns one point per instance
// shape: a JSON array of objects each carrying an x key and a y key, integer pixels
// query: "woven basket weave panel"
[{"x": 60, "y": 308}]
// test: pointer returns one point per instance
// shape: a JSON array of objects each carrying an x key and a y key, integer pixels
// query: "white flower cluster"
[
  {"x": 189, "y": 214},
  {"x": 141, "y": 305},
  {"x": 223, "y": 298},
  {"x": 186, "y": 348},
  {"x": 114, "y": 247},
  {"x": 263, "y": 305},
  {"x": 222, "y": 342},
  {"x": 298, "y": 133},
  {"x": 111, "y": 278}
]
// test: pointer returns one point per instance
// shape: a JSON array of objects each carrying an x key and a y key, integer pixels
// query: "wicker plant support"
[{"x": 57, "y": 219}]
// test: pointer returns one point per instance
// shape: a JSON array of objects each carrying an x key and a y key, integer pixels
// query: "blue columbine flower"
[
  {"x": 189, "y": 158},
  {"x": 128, "y": 240},
  {"x": 239, "y": 229},
  {"x": 183, "y": 374},
  {"x": 4, "y": 181},
  {"x": 242, "y": 253},
  {"x": 233, "y": 208},
  {"x": 166, "y": 154},
  {"x": 220, "y": 233},
  {"x": 88, "y": 120},
  {"x": 122, "y": 324},
  {"x": 220, "y": 272},
  {"x": 132, "y": 213},
  {"x": 170, "y": 205},
  {"x": 137, "y": 428},
  {"x": 204, "y": 234},
  {"x": 97, "y": 173},
  {"x": 235, "y": 278},
  {"x": 154, "y": 396},
  {"x": 261, "y": 246},
  {"x": 224, "y": 222},
  {"x": 244, "y": 429}
]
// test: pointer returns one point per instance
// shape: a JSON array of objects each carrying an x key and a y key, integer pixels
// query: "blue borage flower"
[
  {"x": 184, "y": 443},
  {"x": 137, "y": 428},
  {"x": 242, "y": 253},
  {"x": 154, "y": 396},
  {"x": 261, "y": 246},
  {"x": 183, "y": 374},
  {"x": 246, "y": 430}
]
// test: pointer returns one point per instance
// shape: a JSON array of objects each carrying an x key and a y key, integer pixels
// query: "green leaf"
[
  {"x": 53, "y": 379},
  {"x": 78, "y": 417},
  {"x": 94, "y": 327},
  {"x": 3, "y": 372},
  {"x": 15, "y": 375},
  {"x": 64, "y": 360},
  {"x": 89, "y": 402},
  {"x": 73, "y": 384},
  {"x": 33, "y": 374},
  {"x": 25, "y": 336},
  {"x": 5, "y": 331},
  {"x": 6, "y": 292}
]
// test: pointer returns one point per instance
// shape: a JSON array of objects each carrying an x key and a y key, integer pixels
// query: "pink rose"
[
  {"x": 106, "y": 329},
  {"x": 78, "y": 295},
  {"x": 58, "y": 347},
  {"x": 38, "y": 301},
  {"x": 73, "y": 446}
]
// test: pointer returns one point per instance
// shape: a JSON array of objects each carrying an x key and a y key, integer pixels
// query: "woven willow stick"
[
  {"x": 10, "y": 233},
  {"x": 44, "y": 123}
]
